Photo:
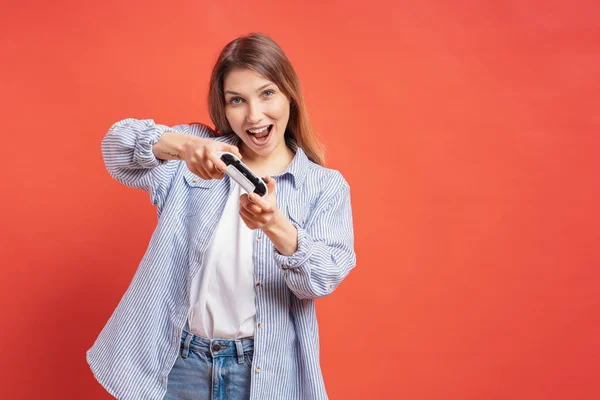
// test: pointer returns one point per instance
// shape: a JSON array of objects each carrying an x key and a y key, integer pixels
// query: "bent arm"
[
  {"x": 130, "y": 157},
  {"x": 325, "y": 253}
]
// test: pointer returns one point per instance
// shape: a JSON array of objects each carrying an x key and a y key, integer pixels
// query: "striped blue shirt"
[{"x": 138, "y": 346}]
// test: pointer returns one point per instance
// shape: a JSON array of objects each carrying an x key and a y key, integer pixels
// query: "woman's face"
[{"x": 257, "y": 111}]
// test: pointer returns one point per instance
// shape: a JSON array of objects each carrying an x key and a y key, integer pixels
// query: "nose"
[{"x": 255, "y": 112}]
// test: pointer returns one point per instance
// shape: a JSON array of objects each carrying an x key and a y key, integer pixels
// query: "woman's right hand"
[{"x": 200, "y": 155}]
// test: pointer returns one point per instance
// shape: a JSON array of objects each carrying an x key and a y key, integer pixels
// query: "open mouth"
[{"x": 261, "y": 135}]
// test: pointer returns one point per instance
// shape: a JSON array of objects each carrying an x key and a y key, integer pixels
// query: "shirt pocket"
[
  {"x": 196, "y": 195},
  {"x": 297, "y": 214}
]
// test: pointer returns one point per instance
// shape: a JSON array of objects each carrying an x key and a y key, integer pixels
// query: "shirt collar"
[{"x": 297, "y": 168}]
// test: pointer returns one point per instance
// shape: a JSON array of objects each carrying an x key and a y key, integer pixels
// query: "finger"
[
  {"x": 250, "y": 207},
  {"x": 247, "y": 218},
  {"x": 212, "y": 170},
  {"x": 234, "y": 149},
  {"x": 248, "y": 223},
  {"x": 209, "y": 168},
  {"x": 255, "y": 220},
  {"x": 217, "y": 172},
  {"x": 194, "y": 169},
  {"x": 244, "y": 200},
  {"x": 218, "y": 175},
  {"x": 270, "y": 184},
  {"x": 216, "y": 161},
  {"x": 199, "y": 171},
  {"x": 261, "y": 202}
]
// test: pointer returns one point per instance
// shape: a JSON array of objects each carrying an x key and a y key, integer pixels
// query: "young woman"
[{"x": 222, "y": 303}]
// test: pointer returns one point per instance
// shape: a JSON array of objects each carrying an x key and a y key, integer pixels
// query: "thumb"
[
  {"x": 270, "y": 184},
  {"x": 234, "y": 150}
]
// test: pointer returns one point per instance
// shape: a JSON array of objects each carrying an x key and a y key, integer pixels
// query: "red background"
[{"x": 467, "y": 130}]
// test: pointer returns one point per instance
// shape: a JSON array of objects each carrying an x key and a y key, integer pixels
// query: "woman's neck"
[{"x": 273, "y": 164}]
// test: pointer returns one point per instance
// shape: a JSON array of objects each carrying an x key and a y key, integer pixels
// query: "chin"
[{"x": 264, "y": 152}]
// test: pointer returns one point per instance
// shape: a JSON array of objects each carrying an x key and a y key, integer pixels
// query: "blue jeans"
[{"x": 211, "y": 369}]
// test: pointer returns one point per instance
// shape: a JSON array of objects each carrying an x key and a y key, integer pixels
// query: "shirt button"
[
  {"x": 257, "y": 370},
  {"x": 258, "y": 238},
  {"x": 195, "y": 181},
  {"x": 260, "y": 325},
  {"x": 257, "y": 283}
]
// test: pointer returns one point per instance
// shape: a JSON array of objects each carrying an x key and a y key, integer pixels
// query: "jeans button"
[{"x": 216, "y": 347}]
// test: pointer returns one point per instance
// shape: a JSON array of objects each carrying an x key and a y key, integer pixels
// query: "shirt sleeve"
[
  {"x": 325, "y": 254},
  {"x": 128, "y": 156}
]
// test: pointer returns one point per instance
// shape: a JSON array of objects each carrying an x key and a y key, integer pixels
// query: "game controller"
[{"x": 240, "y": 173}]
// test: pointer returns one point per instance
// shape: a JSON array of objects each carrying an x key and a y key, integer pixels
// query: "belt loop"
[
  {"x": 240, "y": 351},
  {"x": 186, "y": 345}
]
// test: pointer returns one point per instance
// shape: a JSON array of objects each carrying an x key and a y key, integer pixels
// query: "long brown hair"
[{"x": 260, "y": 53}]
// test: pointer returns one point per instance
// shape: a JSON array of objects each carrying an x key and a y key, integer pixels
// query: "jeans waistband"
[{"x": 216, "y": 347}]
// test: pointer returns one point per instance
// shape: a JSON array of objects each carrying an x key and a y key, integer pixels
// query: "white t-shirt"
[{"x": 222, "y": 293}]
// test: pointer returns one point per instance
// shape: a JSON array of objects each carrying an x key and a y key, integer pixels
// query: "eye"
[
  {"x": 235, "y": 100},
  {"x": 268, "y": 93}
]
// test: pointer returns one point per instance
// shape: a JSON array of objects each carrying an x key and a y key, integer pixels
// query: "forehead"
[{"x": 244, "y": 80}]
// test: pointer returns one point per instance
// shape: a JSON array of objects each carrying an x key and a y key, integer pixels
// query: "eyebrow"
[{"x": 258, "y": 90}]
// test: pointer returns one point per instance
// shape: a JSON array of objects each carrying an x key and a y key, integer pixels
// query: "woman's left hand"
[{"x": 260, "y": 212}]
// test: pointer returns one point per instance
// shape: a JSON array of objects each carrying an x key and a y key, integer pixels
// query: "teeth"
[{"x": 258, "y": 130}]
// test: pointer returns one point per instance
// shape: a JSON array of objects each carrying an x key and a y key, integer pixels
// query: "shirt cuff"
[
  {"x": 302, "y": 254},
  {"x": 142, "y": 153}
]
